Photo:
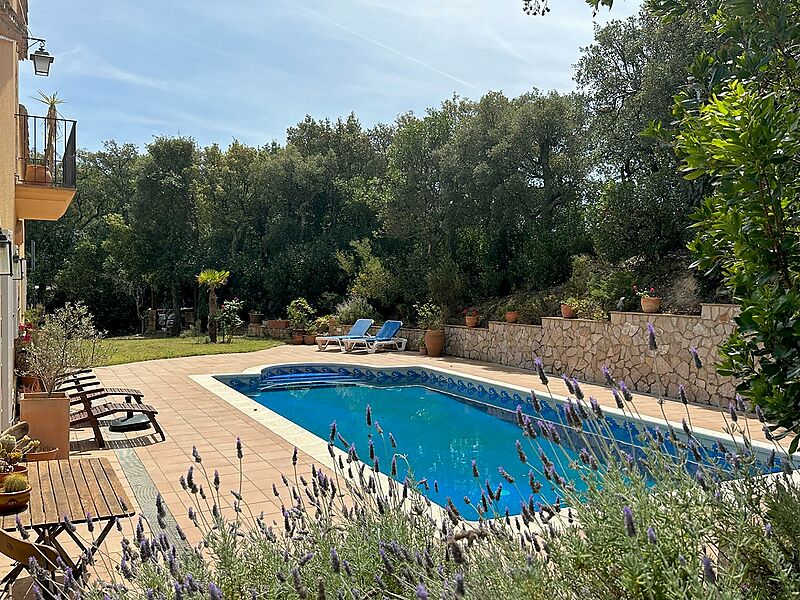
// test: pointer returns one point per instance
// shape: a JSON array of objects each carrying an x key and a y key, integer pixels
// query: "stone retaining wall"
[{"x": 581, "y": 347}]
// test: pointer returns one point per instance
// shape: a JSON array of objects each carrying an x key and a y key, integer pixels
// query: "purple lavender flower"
[
  {"x": 369, "y": 416},
  {"x": 760, "y": 414},
  {"x": 460, "y": 584},
  {"x": 422, "y": 592},
  {"x": 216, "y": 481},
  {"x": 294, "y": 457},
  {"x": 520, "y": 452},
  {"x": 627, "y": 517},
  {"x": 732, "y": 412},
  {"x": 576, "y": 387},
  {"x": 768, "y": 530},
  {"x": 475, "y": 472},
  {"x": 21, "y": 529},
  {"x": 196, "y": 455},
  {"x": 505, "y": 475},
  {"x": 568, "y": 383},
  {"x": 617, "y": 398},
  {"x": 239, "y": 451},
  {"x": 696, "y": 358},
  {"x": 708, "y": 571},
  {"x": 336, "y": 564},
  {"x": 626, "y": 393},
  {"x": 540, "y": 370},
  {"x": 682, "y": 394},
  {"x": 651, "y": 535},
  {"x": 537, "y": 404},
  {"x": 607, "y": 374},
  {"x": 651, "y": 337},
  {"x": 305, "y": 559},
  {"x": 596, "y": 409}
]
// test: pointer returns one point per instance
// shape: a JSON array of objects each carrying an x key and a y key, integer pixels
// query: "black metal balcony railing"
[{"x": 47, "y": 151}]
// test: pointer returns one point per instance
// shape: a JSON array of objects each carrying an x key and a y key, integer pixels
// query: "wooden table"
[{"x": 78, "y": 490}]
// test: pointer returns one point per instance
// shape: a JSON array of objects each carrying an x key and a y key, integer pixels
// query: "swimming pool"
[{"x": 441, "y": 422}]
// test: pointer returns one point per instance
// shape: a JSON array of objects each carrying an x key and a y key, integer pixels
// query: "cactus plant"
[
  {"x": 14, "y": 445},
  {"x": 15, "y": 483}
]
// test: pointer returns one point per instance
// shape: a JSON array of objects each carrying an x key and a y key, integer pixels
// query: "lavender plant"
[{"x": 651, "y": 513}]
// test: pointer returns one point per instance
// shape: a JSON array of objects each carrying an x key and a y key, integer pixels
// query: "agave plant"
[{"x": 52, "y": 101}]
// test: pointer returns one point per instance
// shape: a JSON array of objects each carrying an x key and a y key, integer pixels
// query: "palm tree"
[{"x": 212, "y": 279}]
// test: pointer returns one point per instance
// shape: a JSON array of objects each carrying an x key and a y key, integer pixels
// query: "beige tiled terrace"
[{"x": 191, "y": 415}]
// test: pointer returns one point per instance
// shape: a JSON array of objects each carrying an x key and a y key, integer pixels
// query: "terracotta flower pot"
[
  {"x": 14, "y": 501},
  {"x": 568, "y": 312},
  {"x": 512, "y": 316},
  {"x": 42, "y": 454},
  {"x": 38, "y": 174},
  {"x": 309, "y": 339},
  {"x": 651, "y": 304},
  {"x": 297, "y": 338},
  {"x": 48, "y": 418},
  {"x": 471, "y": 321},
  {"x": 18, "y": 470},
  {"x": 256, "y": 318},
  {"x": 434, "y": 341}
]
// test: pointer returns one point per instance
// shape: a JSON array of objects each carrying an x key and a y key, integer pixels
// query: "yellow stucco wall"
[{"x": 8, "y": 138}]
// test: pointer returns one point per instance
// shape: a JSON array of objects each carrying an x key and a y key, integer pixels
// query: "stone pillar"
[{"x": 152, "y": 320}]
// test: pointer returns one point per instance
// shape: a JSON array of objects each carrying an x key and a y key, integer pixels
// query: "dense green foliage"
[
  {"x": 470, "y": 202},
  {"x": 739, "y": 128}
]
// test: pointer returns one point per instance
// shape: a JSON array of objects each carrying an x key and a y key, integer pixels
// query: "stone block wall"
[
  {"x": 269, "y": 332},
  {"x": 581, "y": 347}
]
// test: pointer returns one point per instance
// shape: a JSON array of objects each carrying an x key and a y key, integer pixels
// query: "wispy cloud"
[
  {"x": 386, "y": 47},
  {"x": 82, "y": 61}
]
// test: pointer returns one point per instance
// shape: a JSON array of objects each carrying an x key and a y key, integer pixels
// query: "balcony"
[{"x": 46, "y": 167}]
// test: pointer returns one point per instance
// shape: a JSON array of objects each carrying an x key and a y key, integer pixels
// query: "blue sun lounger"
[
  {"x": 385, "y": 338},
  {"x": 359, "y": 329}
]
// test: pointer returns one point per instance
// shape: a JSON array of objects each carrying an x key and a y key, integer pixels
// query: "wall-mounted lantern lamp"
[
  {"x": 6, "y": 254},
  {"x": 41, "y": 58},
  {"x": 18, "y": 268}
]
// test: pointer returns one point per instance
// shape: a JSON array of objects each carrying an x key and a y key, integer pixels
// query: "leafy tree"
[
  {"x": 630, "y": 74},
  {"x": 164, "y": 217}
]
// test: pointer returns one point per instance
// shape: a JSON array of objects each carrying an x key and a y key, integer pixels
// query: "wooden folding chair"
[{"x": 22, "y": 552}]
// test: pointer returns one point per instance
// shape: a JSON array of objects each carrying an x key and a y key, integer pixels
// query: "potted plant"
[
  {"x": 431, "y": 319},
  {"x": 310, "y": 336},
  {"x": 650, "y": 302},
  {"x": 212, "y": 279},
  {"x": 568, "y": 308},
  {"x": 471, "y": 316},
  {"x": 256, "y": 317},
  {"x": 300, "y": 314},
  {"x": 422, "y": 349},
  {"x": 42, "y": 172},
  {"x": 512, "y": 314},
  {"x": 16, "y": 493},
  {"x": 25, "y": 380},
  {"x": 66, "y": 342},
  {"x": 15, "y": 445}
]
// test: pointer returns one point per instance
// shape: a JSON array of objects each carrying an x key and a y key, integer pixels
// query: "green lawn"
[{"x": 134, "y": 349}]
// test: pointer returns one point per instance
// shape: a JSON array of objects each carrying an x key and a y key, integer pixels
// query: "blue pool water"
[
  {"x": 440, "y": 431},
  {"x": 438, "y": 434}
]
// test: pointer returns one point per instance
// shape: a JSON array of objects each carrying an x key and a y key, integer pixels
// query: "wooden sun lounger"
[{"x": 91, "y": 415}]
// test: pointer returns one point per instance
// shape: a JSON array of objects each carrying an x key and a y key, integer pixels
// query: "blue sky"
[{"x": 133, "y": 69}]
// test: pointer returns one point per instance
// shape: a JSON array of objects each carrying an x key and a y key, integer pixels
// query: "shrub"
[
  {"x": 300, "y": 313},
  {"x": 66, "y": 342},
  {"x": 353, "y": 309},
  {"x": 228, "y": 318},
  {"x": 429, "y": 316}
]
